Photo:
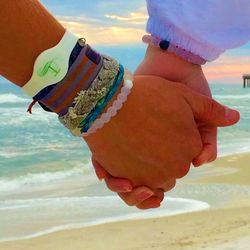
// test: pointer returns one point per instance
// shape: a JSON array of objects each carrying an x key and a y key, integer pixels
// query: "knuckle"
[
  {"x": 161, "y": 183},
  {"x": 163, "y": 178},
  {"x": 173, "y": 184},
  {"x": 209, "y": 108},
  {"x": 183, "y": 171},
  {"x": 127, "y": 200},
  {"x": 169, "y": 185},
  {"x": 160, "y": 194},
  {"x": 195, "y": 146},
  {"x": 213, "y": 157},
  {"x": 157, "y": 178}
]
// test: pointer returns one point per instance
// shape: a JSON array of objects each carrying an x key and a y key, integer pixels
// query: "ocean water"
[{"x": 46, "y": 178}]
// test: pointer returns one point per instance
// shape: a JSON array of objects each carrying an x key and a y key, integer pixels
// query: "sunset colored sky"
[{"x": 116, "y": 27}]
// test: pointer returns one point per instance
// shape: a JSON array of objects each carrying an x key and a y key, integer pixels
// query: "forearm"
[
  {"x": 26, "y": 29},
  {"x": 86, "y": 88}
]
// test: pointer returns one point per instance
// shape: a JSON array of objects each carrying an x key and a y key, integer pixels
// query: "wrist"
[
  {"x": 173, "y": 68},
  {"x": 166, "y": 65}
]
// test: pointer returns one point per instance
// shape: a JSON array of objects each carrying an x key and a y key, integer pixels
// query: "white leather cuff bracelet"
[{"x": 51, "y": 66}]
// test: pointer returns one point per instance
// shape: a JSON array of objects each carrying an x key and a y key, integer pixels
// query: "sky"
[{"x": 115, "y": 27}]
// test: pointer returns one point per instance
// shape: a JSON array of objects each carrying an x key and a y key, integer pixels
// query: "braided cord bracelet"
[
  {"x": 112, "y": 111},
  {"x": 102, "y": 103}
]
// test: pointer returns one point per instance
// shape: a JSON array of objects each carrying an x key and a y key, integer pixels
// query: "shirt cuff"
[{"x": 177, "y": 37}]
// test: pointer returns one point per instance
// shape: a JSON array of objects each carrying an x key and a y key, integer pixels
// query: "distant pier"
[{"x": 246, "y": 81}]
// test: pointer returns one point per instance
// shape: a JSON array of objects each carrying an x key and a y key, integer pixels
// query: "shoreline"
[
  {"x": 194, "y": 206},
  {"x": 154, "y": 234},
  {"x": 232, "y": 217}
]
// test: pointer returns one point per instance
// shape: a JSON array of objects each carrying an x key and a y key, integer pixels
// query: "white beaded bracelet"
[{"x": 112, "y": 111}]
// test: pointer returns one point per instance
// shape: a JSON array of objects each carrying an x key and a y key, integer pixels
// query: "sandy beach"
[{"x": 223, "y": 227}]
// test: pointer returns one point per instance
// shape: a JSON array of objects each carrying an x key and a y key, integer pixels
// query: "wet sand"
[{"x": 227, "y": 227}]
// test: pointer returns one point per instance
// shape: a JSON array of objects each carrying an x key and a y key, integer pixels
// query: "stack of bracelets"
[
  {"x": 166, "y": 45},
  {"x": 77, "y": 83},
  {"x": 84, "y": 92}
]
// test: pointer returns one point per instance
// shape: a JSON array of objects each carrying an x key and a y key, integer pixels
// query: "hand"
[
  {"x": 142, "y": 197},
  {"x": 173, "y": 68},
  {"x": 173, "y": 91}
]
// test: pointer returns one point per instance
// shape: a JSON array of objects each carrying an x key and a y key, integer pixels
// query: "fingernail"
[
  {"x": 197, "y": 165},
  {"x": 145, "y": 195},
  {"x": 100, "y": 178},
  {"x": 154, "y": 204},
  {"x": 199, "y": 162},
  {"x": 231, "y": 115},
  {"x": 124, "y": 189}
]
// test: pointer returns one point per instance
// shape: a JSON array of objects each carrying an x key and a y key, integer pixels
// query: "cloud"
[
  {"x": 229, "y": 68},
  {"x": 81, "y": 19},
  {"x": 112, "y": 35},
  {"x": 120, "y": 30},
  {"x": 135, "y": 18}
]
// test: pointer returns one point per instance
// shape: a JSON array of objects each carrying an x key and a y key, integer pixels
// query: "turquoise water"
[
  {"x": 35, "y": 143},
  {"x": 32, "y": 139},
  {"x": 236, "y": 138},
  {"x": 46, "y": 176}
]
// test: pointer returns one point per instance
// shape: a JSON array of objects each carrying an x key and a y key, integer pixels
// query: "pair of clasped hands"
[{"x": 168, "y": 122}]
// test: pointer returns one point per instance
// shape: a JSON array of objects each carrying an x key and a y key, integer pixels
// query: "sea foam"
[{"x": 42, "y": 179}]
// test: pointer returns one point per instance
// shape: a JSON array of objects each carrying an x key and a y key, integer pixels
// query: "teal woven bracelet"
[{"x": 100, "y": 106}]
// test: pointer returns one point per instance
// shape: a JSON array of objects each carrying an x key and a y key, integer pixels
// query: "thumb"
[{"x": 208, "y": 110}]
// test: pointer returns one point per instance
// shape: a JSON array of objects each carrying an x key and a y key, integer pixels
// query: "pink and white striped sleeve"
[{"x": 206, "y": 28}]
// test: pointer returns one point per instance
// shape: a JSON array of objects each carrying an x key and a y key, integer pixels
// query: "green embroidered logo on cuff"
[{"x": 50, "y": 67}]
